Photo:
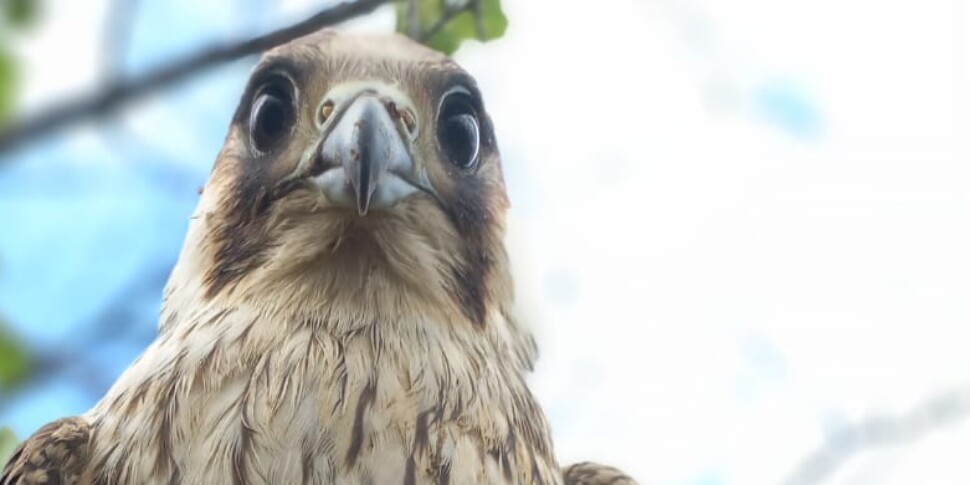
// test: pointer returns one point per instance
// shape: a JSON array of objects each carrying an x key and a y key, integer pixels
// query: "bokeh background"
[{"x": 741, "y": 230}]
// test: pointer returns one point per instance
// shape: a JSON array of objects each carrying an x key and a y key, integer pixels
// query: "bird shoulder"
[
  {"x": 55, "y": 454},
  {"x": 587, "y": 473}
]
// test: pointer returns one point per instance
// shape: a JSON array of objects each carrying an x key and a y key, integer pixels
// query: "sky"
[{"x": 739, "y": 228}]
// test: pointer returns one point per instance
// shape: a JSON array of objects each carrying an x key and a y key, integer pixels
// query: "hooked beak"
[{"x": 365, "y": 155}]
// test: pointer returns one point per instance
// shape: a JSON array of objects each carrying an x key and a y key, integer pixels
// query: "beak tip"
[{"x": 363, "y": 192}]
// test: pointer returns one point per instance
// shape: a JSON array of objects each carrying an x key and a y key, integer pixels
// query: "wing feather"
[
  {"x": 587, "y": 473},
  {"x": 55, "y": 455}
]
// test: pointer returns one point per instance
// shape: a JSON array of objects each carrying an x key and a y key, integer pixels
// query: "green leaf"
[
  {"x": 8, "y": 443},
  {"x": 449, "y": 36},
  {"x": 14, "y": 363},
  {"x": 8, "y": 85},
  {"x": 20, "y": 13}
]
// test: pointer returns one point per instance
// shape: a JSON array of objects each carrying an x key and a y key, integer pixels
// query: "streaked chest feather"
[{"x": 246, "y": 401}]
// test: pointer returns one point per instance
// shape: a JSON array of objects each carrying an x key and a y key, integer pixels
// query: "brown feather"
[
  {"x": 55, "y": 455},
  {"x": 587, "y": 473}
]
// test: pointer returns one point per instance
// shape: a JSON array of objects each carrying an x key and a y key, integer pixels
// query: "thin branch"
[
  {"x": 881, "y": 431},
  {"x": 115, "y": 94},
  {"x": 414, "y": 20}
]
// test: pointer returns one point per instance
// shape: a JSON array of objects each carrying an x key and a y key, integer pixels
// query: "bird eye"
[
  {"x": 272, "y": 114},
  {"x": 458, "y": 130}
]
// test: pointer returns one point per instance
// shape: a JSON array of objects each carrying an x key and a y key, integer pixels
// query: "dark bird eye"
[
  {"x": 272, "y": 114},
  {"x": 458, "y": 130}
]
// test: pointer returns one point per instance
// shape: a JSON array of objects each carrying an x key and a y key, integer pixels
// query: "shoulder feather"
[
  {"x": 55, "y": 455},
  {"x": 587, "y": 473}
]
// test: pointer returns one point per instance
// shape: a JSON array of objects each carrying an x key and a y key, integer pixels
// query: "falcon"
[{"x": 341, "y": 309}]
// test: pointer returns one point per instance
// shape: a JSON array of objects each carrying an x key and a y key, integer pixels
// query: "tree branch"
[
  {"x": 414, "y": 21},
  {"x": 117, "y": 93},
  {"x": 881, "y": 431}
]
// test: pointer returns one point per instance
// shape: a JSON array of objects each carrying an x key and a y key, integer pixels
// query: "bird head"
[{"x": 361, "y": 170}]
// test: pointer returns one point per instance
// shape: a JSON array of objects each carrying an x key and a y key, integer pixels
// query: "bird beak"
[{"x": 365, "y": 159}]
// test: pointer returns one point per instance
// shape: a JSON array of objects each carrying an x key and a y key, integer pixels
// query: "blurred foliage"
[
  {"x": 20, "y": 13},
  {"x": 451, "y": 23},
  {"x": 8, "y": 84},
  {"x": 14, "y": 15},
  {"x": 14, "y": 363},
  {"x": 8, "y": 443}
]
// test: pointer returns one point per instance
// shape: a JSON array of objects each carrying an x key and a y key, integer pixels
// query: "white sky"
[{"x": 710, "y": 289}]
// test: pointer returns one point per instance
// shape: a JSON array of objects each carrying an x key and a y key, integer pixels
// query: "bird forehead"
[
  {"x": 327, "y": 58},
  {"x": 341, "y": 48}
]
